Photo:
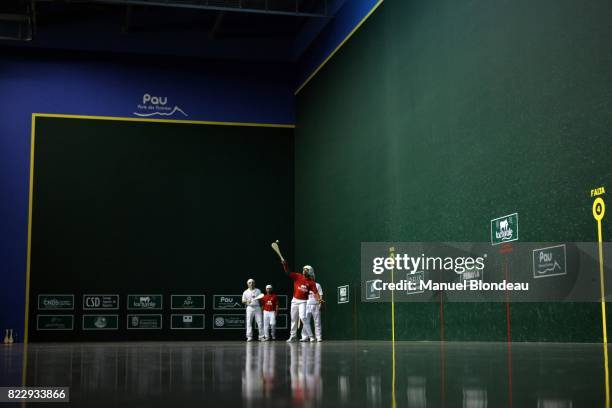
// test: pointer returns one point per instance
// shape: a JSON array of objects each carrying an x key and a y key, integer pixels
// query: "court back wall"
[
  {"x": 110, "y": 85},
  {"x": 156, "y": 208},
  {"x": 438, "y": 116}
]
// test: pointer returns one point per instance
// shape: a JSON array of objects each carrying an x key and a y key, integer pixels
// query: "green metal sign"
[
  {"x": 343, "y": 294},
  {"x": 504, "y": 229},
  {"x": 100, "y": 322}
]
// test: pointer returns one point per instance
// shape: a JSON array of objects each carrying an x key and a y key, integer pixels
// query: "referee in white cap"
[{"x": 250, "y": 298}]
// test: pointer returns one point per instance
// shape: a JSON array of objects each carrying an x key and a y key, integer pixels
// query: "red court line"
[
  {"x": 509, "y": 337},
  {"x": 442, "y": 356}
]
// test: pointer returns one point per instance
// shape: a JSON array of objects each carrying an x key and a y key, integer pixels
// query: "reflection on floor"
[{"x": 334, "y": 374}]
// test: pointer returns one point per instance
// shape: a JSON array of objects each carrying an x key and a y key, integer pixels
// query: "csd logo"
[
  {"x": 92, "y": 302},
  {"x": 155, "y": 100}
]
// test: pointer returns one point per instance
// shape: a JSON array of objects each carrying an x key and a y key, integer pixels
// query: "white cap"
[
  {"x": 250, "y": 280},
  {"x": 268, "y": 286},
  {"x": 310, "y": 270}
]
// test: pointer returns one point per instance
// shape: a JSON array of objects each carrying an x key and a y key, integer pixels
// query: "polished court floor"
[{"x": 328, "y": 374}]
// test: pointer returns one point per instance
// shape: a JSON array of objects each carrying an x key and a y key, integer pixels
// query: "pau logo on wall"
[
  {"x": 157, "y": 106},
  {"x": 549, "y": 261}
]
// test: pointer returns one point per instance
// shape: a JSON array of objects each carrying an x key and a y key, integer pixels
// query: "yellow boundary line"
[
  {"x": 109, "y": 118},
  {"x": 326, "y": 60},
  {"x": 393, "y": 399},
  {"x": 24, "y": 358},
  {"x": 29, "y": 250},
  {"x": 151, "y": 120}
]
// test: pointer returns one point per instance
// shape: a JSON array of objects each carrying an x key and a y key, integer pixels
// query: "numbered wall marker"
[
  {"x": 343, "y": 294},
  {"x": 416, "y": 279},
  {"x": 371, "y": 292}
]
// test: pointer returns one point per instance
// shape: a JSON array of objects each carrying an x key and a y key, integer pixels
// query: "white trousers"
[
  {"x": 253, "y": 313},
  {"x": 314, "y": 312},
  {"x": 298, "y": 312},
  {"x": 269, "y": 324}
]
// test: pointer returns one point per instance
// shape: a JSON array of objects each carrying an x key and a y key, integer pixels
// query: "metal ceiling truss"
[
  {"x": 19, "y": 25},
  {"x": 241, "y": 6}
]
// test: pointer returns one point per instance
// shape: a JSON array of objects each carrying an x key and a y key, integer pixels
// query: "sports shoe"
[
  {"x": 291, "y": 339},
  {"x": 319, "y": 340},
  {"x": 249, "y": 339},
  {"x": 312, "y": 340},
  {"x": 273, "y": 338},
  {"x": 304, "y": 340},
  {"x": 263, "y": 339}
]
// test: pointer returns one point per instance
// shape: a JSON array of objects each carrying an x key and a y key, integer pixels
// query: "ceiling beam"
[{"x": 204, "y": 5}]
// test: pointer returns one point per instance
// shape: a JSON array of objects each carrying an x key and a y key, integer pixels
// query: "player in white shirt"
[
  {"x": 313, "y": 311},
  {"x": 250, "y": 298}
]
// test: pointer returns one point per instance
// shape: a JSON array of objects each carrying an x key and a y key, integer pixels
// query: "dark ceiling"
[{"x": 205, "y": 28}]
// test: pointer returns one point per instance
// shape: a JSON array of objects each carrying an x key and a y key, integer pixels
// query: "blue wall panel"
[{"x": 84, "y": 85}]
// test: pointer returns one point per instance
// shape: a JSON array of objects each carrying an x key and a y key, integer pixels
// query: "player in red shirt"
[
  {"x": 302, "y": 285},
  {"x": 270, "y": 307}
]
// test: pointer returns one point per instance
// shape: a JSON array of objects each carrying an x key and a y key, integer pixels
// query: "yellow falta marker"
[{"x": 599, "y": 210}]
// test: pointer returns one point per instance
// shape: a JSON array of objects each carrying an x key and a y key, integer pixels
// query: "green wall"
[{"x": 434, "y": 118}]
